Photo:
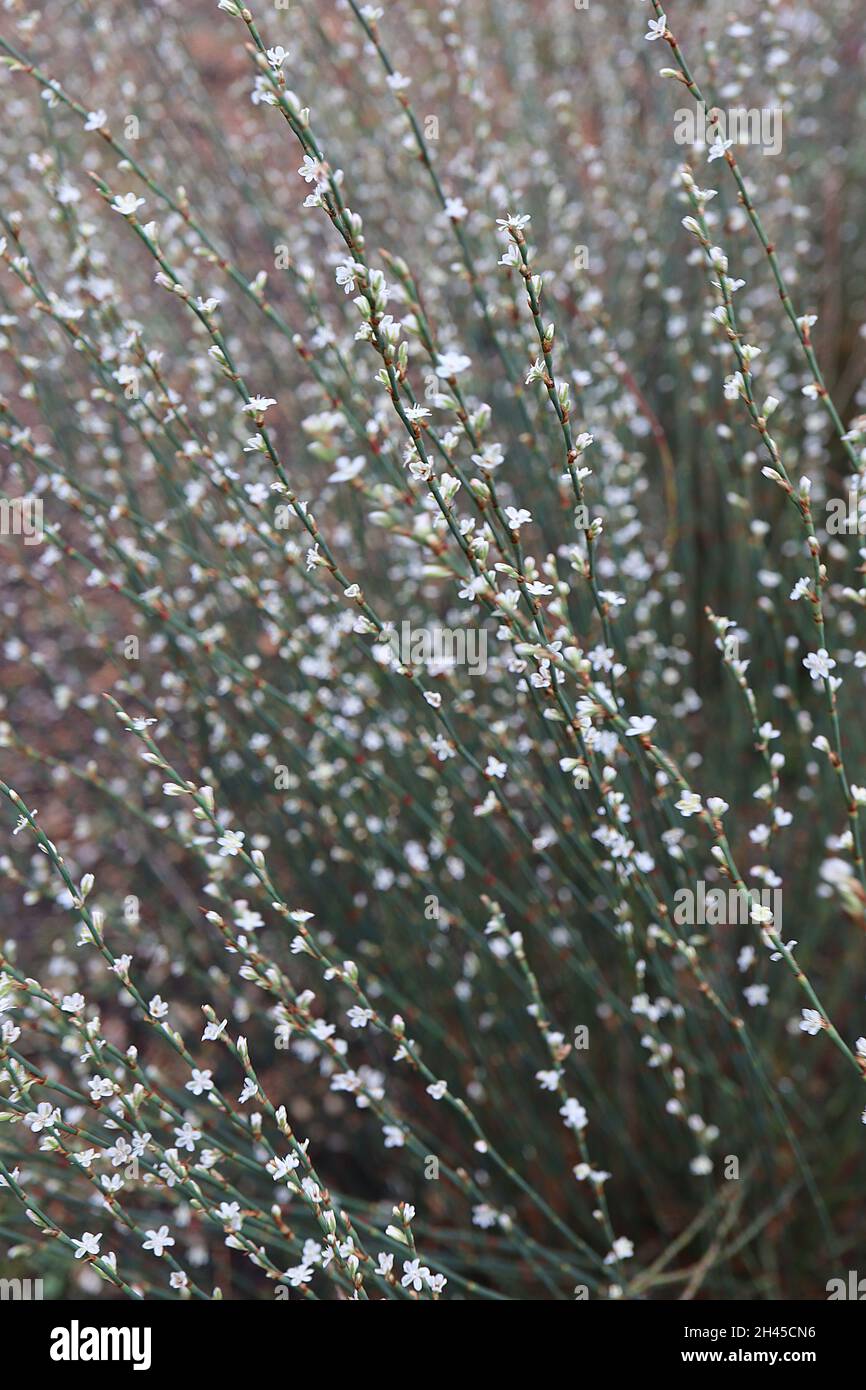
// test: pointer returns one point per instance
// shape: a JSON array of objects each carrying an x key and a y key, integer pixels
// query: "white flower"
[
  {"x": 280, "y": 1168},
  {"x": 87, "y": 1245},
  {"x": 201, "y": 1081},
  {"x": 230, "y": 843},
  {"x": 622, "y": 1249},
  {"x": 311, "y": 170},
  {"x": 415, "y": 1275},
  {"x": 759, "y": 913},
  {"x": 126, "y": 203},
  {"x": 513, "y": 221},
  {"x": 640, "y": 724},
  {"x": 450, "y": 364},
  {"x": 437, "y": 1089},
  {"x": 811, "y": 1022},
  {"x": 756, "y": 995},
  {"x": 345, "y": 276},
  {"x": 819, "y": 664},
  {"x": 187, "y": 1136},
  {"x": 229, "y": 1214},
  {"x": 716, "y": 806},
  {"x": 656, "y": 29},
  {"x": 689, "y": 804},
  {"x": 157, "y": 1241},
  {"x": 45, "y": 1116},
  {"x": 719, "y": 148},
  {"x": 573, "y": 1114}
]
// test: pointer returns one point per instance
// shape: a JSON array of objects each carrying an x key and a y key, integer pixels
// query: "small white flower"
[
  {"x": 231, "y": 842},
  {"x": 811, "y": 1022},
  {"x": 415, "y": 1275},
  {"x": 622, "y": 1249},
  {"x": 718, "y": 149},
  {"x": 759, "y": 913},
  {"x": 819, "y": 664},
  {"x": 573, "y": 1114},
  {"x": 639, "y": 725},
  {"x": 756, "y": 995},
  {"x": 126, "y": 204},
  {"x": 450, "y": 364},
  {"x": 88, "y": 1244},
  {"x": 201, "y": 1082},
  {"x": 158, "y": 1241}
]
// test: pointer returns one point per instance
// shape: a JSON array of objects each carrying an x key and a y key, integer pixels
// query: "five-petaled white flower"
[
  {"x": 819, "y": 664},
  {"x": 126, "y": 203}
]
